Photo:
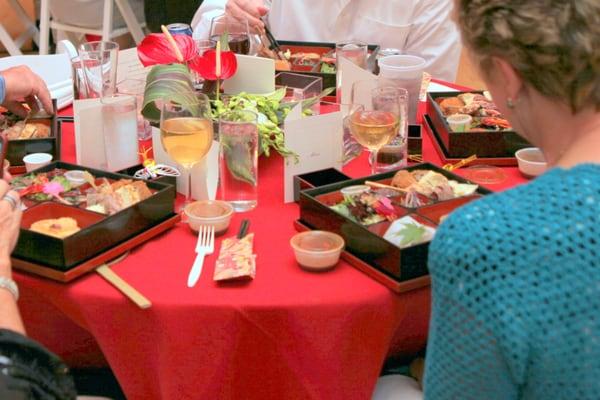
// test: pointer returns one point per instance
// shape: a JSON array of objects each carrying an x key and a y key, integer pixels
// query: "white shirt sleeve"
[
  {"x": 435, "y": 37},
  {"x": 206, "y": 12}
]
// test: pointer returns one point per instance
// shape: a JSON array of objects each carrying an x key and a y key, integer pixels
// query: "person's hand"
[
  {"x": 24, "y": 85},
  {"x": 10, "y": 220},
  {"x": 248, "y": 10}
]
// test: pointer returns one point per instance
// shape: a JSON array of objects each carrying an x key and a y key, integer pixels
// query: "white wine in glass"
[
  {"x": 187, "y": 140},
  {"x": 186, "y": 133},
  {"x": 374, "y": 129}
]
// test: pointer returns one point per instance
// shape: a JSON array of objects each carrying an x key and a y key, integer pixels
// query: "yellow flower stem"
[
  {"x": 218, "y": 69},
  {"x": 171, "y": 40}
]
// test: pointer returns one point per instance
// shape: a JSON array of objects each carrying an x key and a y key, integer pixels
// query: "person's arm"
[
  {"x": 249, "y": 10},
  {"x": 21, "y": 84},
  {"x": 10, "y": 219},
  {"x": 435, "y": 37}
]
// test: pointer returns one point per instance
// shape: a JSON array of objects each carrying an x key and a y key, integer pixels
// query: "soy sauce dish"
[
  {"x": 214, "y": 213},
  {"x": 531, "y": 162},
  {"x": 317, "y": 250}
]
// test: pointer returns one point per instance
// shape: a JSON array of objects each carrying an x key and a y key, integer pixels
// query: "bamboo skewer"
[
  {"x": 383, "y": 186},
  {"x": 125, "y": 288}
]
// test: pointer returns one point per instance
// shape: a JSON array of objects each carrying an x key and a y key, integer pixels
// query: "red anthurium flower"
[
  {"x": 156, "y": 49},
  {"x": 207, "y": 66}
]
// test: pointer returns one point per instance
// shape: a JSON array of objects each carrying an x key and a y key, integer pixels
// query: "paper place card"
[
  {"x": 318, "y": 141},
  {"x": 113, "y": 150},
  {"x": 254, "y": 75},
  {"x": 352, "y": 73},
  {"x": 130, "y": 67},
  {"x": 205, "y": 174}
]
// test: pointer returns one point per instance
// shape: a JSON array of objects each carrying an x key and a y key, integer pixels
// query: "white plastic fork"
[{"x": 204, "y": 246}]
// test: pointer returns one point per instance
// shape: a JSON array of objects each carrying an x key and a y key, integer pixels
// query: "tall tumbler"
[
  {"x": 354, "y": 51},
  {"x": 238, "y": 159},
  {"x": 136, "y": 87},
  {"x": 390, "y": 98},
  {"x": 99, "y": 64},
  {"x": 119, "y": 124}
]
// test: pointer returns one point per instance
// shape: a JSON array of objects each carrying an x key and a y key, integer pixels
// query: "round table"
[{"x": 288, "y": 334}]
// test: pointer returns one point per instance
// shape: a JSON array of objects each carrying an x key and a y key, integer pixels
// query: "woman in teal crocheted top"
[{"x": 516, "y": 275}]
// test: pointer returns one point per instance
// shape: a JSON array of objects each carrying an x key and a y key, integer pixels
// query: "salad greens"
[{"x": 271, "y": 110}]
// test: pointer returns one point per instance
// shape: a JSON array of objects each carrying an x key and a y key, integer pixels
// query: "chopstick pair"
[
  {"x": 243, "y": 229},
  {"x": 273, "y": 45}
]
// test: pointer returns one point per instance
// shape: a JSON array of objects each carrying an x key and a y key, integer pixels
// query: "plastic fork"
[{"x": 204, "y": 246}]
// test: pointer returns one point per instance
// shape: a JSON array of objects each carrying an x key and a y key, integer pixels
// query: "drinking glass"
[
  {"x": 390, "y": 98},
  {"x": 238, "y": 31},
  {"x": 79, "y": 82},
  {"x": 99, "y": 65},
  {"x": 238, "y": 159},
  {"x": 186, "y": 134},
  {"x": 136, "y": 87},
  {"x": 374, "y": 128},
  {"x": 202, "y": 46},
  {"x": 405, "y": 71},
  {"x": 354, "y": 51},
  {"x": 119, "y": 125}
]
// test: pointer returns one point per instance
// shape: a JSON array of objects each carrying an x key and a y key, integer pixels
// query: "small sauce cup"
[
  {"x": 460, "y": 122},
  {"x": 75, "y": 177},
  {"x": 531, "y": 162},
  {"x": 214, "y": 213},
  {"x": 317, "y": 250}
]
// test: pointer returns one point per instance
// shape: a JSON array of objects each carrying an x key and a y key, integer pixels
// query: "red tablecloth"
[{"x": 288, "y": 334}]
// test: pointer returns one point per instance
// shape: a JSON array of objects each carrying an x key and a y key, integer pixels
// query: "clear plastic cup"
[{"x": 404, "y": 71}]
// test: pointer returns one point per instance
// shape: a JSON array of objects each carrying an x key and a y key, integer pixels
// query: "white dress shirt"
[{"x": 419, "y": 27}]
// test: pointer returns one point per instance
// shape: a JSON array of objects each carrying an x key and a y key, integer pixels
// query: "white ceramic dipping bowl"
[
  {"x": 317, "y": 250},
  {"x": 531, "y": 162},
  {"x": 215, "y": 213}
]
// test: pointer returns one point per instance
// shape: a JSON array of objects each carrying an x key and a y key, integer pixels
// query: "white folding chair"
[
  {"x": 107, "y": 32},
  {"x": 13, "y": 46}
]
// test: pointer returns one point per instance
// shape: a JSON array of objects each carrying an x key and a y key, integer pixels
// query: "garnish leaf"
[{"x": 411, "y": 233}]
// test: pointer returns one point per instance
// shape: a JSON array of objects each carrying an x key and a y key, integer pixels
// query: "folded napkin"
[{"x": 236, "y": 260}]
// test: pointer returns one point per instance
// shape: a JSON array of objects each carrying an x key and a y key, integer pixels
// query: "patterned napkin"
[{"x": 236, "y": 260}]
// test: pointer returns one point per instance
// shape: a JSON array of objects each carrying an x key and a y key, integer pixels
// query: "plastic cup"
[
  {"x": 405, "y": 71},
  {"x": 36, "y": 160}
]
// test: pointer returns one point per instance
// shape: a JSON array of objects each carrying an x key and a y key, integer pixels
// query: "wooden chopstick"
[
  {"x": 383, "y": 186},
  {"x": 274, "y": 45},
  {"x": 125, "y": 288}
]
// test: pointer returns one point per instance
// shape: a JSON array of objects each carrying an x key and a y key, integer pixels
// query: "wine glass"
[
  {"x": 237, "y": 31},
  {"x": 373, "y": 128},
  {"x": 186, "y": 133}
]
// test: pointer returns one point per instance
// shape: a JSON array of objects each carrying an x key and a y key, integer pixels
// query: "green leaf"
[
  {"x": 411, "y": 233},
  {"x": 171, "y": 82}
]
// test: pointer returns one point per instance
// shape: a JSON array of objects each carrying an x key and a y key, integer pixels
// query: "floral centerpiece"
[{"x": 173, "y": 57}]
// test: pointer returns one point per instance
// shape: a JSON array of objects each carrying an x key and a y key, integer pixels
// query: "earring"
[{"x": 510, "y": 103}]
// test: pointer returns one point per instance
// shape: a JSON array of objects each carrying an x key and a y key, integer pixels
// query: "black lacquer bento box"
[
  {"x": 322, "y": 49},
  {"x": 485, "y": 144},
  {"x": 98, "y": 234},
  {"x": 19, "y": 148},
  {"x": 396, "y": 267}
]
